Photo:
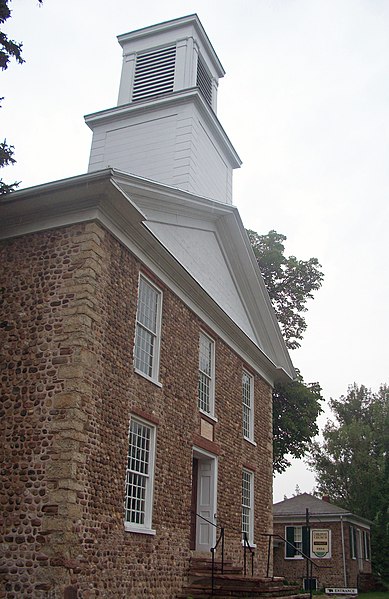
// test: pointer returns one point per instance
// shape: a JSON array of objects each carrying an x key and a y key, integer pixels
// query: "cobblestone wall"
[
  {"x": 68, "y": 306},
  {"x": 332, "y": 573}
]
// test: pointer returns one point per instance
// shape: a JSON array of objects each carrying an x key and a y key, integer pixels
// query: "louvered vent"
[
  {"x": 154, "y": 73},
  {"x": 204, "y": 81}
]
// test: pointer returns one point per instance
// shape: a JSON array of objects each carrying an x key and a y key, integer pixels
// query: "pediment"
[
  {"x": 197, "y": 246},
  {"x": 208, "y": 240},
  {"x": 199, "y": 251}
]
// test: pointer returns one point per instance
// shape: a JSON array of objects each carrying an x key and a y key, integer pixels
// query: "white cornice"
[
  {"x": 175, "y": 99},
  {"x": 109, "y": 197},
  {"x": 173, "y": 25},
  {"x": 327, "y": 518}
]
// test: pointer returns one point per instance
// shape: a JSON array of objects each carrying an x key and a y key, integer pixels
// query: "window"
[
  {"x": 139, "y": 477},
  {"x": 366, "y": 545},
  {"x": 148, "y": 325},
  {"x": 248, "y": 405},
  {"x": 353, "y": 542},
  {"x": 206, "y": 388},
  {"x": 297, "y": 541},
  {"x": 248, "y": 505}
]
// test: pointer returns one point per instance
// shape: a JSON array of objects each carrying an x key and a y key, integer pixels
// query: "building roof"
[
  {"x": 296, "y": 507},
  {"x": 198, "y": 246}
]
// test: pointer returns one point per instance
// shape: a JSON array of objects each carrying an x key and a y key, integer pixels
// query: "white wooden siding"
[
  {"x": 171, "y": 146},
  {"x": 199, "y": 251}
]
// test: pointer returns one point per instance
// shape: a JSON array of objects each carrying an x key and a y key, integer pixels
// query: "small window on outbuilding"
[{"x": 298, "y": 542}]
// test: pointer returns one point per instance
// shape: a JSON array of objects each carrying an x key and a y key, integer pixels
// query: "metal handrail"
[
  {"x": 311, "y": 562},
  {"x": 213, "y": 549},
  {"x": 246, "y": 544}
]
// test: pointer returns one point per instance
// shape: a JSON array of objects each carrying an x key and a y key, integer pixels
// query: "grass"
[
  {"x": 375, "y": 595},
  {"x": 370, "y": 595}
]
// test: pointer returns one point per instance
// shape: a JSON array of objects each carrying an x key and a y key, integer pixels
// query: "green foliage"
[
  {"x": 9, "y": 49},
  {"x": 352, "y": 462},
  {"x": 296, "y": 407},
  {"x": 6, "y": 157},
  {"x": 289, "y": 281}
]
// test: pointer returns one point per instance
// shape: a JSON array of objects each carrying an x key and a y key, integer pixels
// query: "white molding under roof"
[
  {"x": 121, "y": 203},
  {"x": 158, "y": 31},
  {"x": 118, "y": 113},
  {"x": 327, "y": 518}
]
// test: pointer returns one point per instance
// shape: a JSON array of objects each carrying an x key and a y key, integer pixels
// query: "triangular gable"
[
  {"x": 198, "y": 250},
  {"x": 199, "y": 244},
  {"x": 208, "y": 239}
]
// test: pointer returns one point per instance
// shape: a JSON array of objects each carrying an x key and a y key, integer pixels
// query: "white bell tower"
[{"x": 165, "y": 126}]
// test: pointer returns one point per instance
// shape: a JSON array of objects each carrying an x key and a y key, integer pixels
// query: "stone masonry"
[
  {"x": 68, "y": 307},
  {"x": 331, "y": 572}
]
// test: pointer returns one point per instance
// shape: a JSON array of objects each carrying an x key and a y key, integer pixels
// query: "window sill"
[
  {"x": 252, "y": 545},
  {"x": 148, "y": 378},
  {"x": 210, "y": 416},
  {"x": 142, "y": 531},
  {"x": 298, "y": 557},
  {"x": 251, "y": 441}
]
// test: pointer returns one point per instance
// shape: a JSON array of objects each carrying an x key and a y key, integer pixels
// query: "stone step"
[
  {"x": 191, "y": 593},
  {"x": 205, "y": 569},
  {"x": 239, "y": 586},
  {"x": 250, "y": 581}
]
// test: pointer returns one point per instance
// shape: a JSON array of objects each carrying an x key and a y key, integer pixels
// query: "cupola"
[{"x": 165, "y": 126}]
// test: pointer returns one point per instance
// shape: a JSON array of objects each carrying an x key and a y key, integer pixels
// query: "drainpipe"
[
  {"x": 308, "y": 534},
  {"x": 343, "y": 553}
]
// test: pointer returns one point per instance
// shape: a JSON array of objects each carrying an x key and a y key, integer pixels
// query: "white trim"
[
  {"x": 111, "y": 197},
  {"x": 250, "y": 441},
  {"x": 210, "y": 377},
  {"x": 297, "y": 556},
  {"x": 145, "y": 527},
  {"x": 202, "y": 454},
  {"x": 250, "y": 407},
  {"x": 252, "y": 544},
  {"x": 250, "y": 507},
  {"x": 157, "y": 383},
  {"x": 155, "y": 335},
  {"x": 141, "y": 531}
]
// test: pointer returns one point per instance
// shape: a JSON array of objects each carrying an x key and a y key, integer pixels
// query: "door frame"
[{"x": 201, "y": 455}]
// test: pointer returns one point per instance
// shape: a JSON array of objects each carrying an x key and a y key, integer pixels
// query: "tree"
[
  {"x": 296, "y": 407},
  {"x": 289, "y": 281},
  {"x": 9, "y": 49},
  {"x": 352, "y": 462}
]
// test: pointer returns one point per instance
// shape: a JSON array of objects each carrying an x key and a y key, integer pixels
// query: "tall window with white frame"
[
  {"x": 148, "y": 329},
  {"x": 248, "y": 505},
  {"x": 139, "y": 477},
  {"x": 206, "y": 388},
  {"x": 248, "y": 405}
]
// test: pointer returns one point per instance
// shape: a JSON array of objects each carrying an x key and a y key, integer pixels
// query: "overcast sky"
[{"x": 305, "y": 103}]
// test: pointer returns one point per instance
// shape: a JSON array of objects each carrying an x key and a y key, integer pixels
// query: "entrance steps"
[{"x": 232, "y": 583}]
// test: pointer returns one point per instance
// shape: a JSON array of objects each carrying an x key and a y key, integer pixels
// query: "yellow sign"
[{"x": 320, "y": 542}]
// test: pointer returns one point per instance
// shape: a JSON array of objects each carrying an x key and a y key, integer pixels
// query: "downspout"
[{"x": 343, "y": 553}]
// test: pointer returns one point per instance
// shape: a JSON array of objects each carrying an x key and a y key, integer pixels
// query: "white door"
[{"x": 206, "y": 505}]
